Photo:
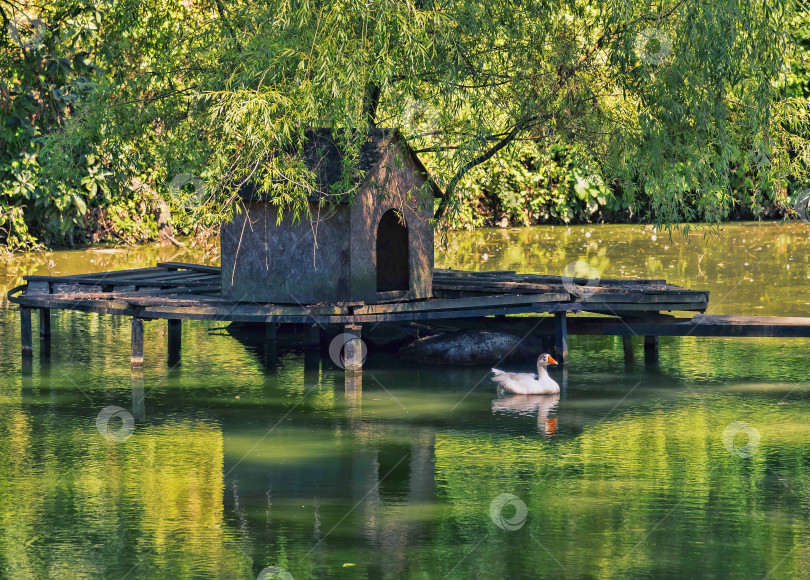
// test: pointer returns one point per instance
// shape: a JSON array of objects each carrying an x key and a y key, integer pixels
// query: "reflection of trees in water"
[
  {"x": 662, "y": 476},
  {"x": 400, "y": 498},
  {"x": 357, "y": 497},
  {"x": 75, "y": 504}
]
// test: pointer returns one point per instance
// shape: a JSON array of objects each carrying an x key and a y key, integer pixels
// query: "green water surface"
[{"x": 230, "y": 468}]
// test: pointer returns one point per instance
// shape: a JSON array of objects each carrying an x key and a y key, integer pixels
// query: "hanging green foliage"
[{"x": 667, "y": 106}]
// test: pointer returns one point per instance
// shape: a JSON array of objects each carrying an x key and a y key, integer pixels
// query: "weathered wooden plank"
[
  {"x": 181, "y": 292},
  {"x": 42, "y": 287},
  {"x": 114, "y": 273},
  {"x": 750, "y": 320},
  {"x": 155, "y": 274},
  {"x": 461, "y": 303},
  {"x": 553, "y": 279},
  {"x": 166, "y": 276},
  {"x": 146, "y": 283},
  {"x": 72, "y": 288},
  {"x": 198, "y": 267},
  {"x": 115, "y": 279},
  {"x": 655, "y": 306},
  {"x": 644, "y": 298},
  {"x": 244, "y": 315},
  {"x": 594, "y": 293},
  {"x": 467, "y": 273},
  {"x": 489, "y": 287},
  {"x": 225, "y": 306}
]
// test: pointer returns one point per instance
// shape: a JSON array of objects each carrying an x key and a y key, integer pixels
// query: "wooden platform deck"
[
  {"x": 192, "y": 292},
  {"x": 177, "y": 291}
]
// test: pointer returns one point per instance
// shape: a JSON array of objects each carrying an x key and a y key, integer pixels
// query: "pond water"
[{"x": 221, "y": 467}]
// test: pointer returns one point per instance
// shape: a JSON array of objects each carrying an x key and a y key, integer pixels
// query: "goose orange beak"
[{"x": 551, "y": 360}]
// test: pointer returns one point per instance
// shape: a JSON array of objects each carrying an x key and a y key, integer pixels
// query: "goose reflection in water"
[{"x": 529, "y": 405}]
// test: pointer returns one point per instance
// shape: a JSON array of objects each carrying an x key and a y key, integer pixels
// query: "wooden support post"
[
  {"x": 136, "y": 360},
  {"x": 314, "y": 337},
  {"x": 175, "y": 342},
  {"x": 354, "y": 349},
  {"x": 312, "y": 350},
  {"x": 627, "y": 344},
  {"x": 561, "y": 337},
  {"x": 26, "y": 333},
  {"x": 651, "y": 350},
  {"x": 270, "y": 332},
  {"x": 44, "y": 322}
]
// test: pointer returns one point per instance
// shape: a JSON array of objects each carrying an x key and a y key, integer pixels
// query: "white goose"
[{"x": 528, "y": 383}]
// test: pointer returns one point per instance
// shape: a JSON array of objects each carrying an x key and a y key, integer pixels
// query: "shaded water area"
[{"x": 232, "y": 468}]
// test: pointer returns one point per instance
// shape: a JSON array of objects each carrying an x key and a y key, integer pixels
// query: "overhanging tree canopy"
[{"x": 673, "y": 99}]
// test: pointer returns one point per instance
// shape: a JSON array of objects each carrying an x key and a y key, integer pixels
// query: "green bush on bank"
[
  {"x": 529, "y": 185},
  {"x": 108, "y": 181}
]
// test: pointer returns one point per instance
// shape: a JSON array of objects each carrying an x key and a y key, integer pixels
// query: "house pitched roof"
[{"x": 323, "y": 156}]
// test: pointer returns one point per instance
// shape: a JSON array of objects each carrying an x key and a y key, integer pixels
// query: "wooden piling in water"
[
  {"x": 561, "y": 337},
  {"x": 651, "y": 350},
  {"x": 313, "y": 338},
  {"x": 136, "y": 359},
  {"x": 353, "y": 349},
  {"x": 627, "y": 345},
  {"x": 26, "y": 333},
  {"x": 312, "y": 348},
  {"x": 175, "y": 341},
  {"x": 270, "y": 332},
  {"x": 44, "y": 322}
]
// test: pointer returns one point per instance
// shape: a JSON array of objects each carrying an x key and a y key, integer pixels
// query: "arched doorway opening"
[{"x": 392, "y": 252}]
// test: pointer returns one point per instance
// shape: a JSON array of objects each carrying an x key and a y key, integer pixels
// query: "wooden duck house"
[{"x": 371, "y": 245}]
